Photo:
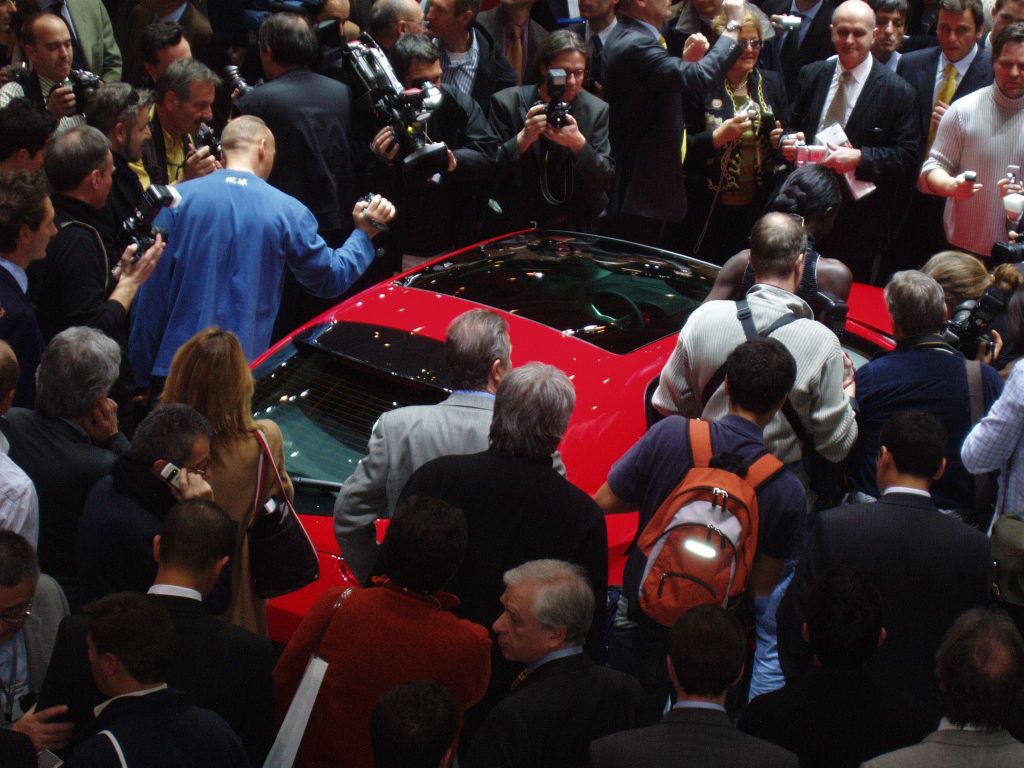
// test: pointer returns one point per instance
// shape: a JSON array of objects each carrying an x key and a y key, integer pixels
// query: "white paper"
[{"x": 836, "y": 136}]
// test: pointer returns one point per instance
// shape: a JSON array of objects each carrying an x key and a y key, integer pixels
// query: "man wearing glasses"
[{"x": 31, "y": 609}]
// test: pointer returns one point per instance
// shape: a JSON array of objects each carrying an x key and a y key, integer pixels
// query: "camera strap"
[
  {"x": 925, "y": 341},
  {"x": 99, "y": 241}
]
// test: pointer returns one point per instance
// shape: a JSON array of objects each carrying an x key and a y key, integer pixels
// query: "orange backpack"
[{"x": 701, "y": 542}]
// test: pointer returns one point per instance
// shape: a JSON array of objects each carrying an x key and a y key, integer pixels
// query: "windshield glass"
[{"x": 615, "y": 295}]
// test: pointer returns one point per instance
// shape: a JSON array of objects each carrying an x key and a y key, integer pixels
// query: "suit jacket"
[
  {"x": 919, "y": 67},
  {"x": 956, "y": 749},
  {"x": 642, "y": 85},
  {"x": 49, "y": 607},
  {"x": 553, "y": 715},
  {"x": 196, "y": 28},
  {"x": 930, "y": 568},
  {"x": 817, "y": 44},
  {"x": 705, "y": 737},
  {"x": 222, "y": 667},
  {"x": 888, "y": 136},
  {"x": 494, "y": 20},
  {"x": 95, "y": 36},
  {"x": 493, "y": 72},
  {"x": 20, "y": 328}
]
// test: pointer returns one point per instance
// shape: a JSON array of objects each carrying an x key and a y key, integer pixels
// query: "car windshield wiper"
[{"x": 301, "y": 481}]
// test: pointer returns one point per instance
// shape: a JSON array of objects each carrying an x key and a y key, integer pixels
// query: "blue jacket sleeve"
[{"x": 319, "y": 269}]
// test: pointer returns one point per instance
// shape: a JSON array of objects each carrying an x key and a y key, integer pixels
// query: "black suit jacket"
[
  {"x": 553, "y": 715},
  {"x": 222, "y": 667},
  {"x": 817, "y": 44},
  {"x": 642, "y": 85},
  {"x": 919, "y": 68},
  {"x": 20, "y": 328},
  {"x": 886, "y": 132},
  {"x": 493, "y": 71},
  {"x": 930, "y": 568},
  {"x": 701, "y": 737}
]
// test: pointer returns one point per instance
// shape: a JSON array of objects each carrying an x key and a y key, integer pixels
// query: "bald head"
[
  {"x": 853, "y": 32},
  {"x": 248, "y": 145}
]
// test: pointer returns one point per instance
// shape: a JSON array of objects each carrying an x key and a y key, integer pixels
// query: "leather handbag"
[{"x": 282, "y": 555}]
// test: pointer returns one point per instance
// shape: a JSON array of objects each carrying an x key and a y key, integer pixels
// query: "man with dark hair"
[
  {"x": 193, "y": 23},
  {"x": 310, "y": 117},
  {"x": 403, "y": 440},
  {"x": 414, "y": 725},
  {"x": 923, "y": 373},
  {"x": 1004, "y": 13},
  {"x": 562, "y": 700},
  {"x": 162, "y": 44},
  {"x": 690, "y": 381},
  {"x": 893, "y": 542},
  {"x": 168, "y": 462},
  {"x": 758, "y": 377},
  {"x": 131, "y": 647},
  {"x": 519, "y": 36},
  {"x": 890, "y": 28},
  {"x": 220, "y": 666},
  {"x": 837, "y": 716},
  {"x": 939, "y": 76},
  {"x": 24, "y": 131},
  {"x": 511, "y": 488},
  {"x": 981, "y": 673},
  {"x": 789, "y": 51},
  {"x": 26, "y": 227},
  {"x": 19, "y": 504},
  {"x": 73, "y": 286},
  {"x": 92, "y": 35},
  {"x": 706, "y": 652},
  {"x": 400, "y": 629},
  {"x": 184, "y": 101},
  {"x": 471, "y": 61},
  {"x": 31, "y": 608}
]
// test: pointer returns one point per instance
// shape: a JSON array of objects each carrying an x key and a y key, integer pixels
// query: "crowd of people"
[{"x": 856, "y": 592}]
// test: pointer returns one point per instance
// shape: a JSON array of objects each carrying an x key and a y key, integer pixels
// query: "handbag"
[
  {"x": 282, "y": 555},
  {"x": 293, "y": 727}
]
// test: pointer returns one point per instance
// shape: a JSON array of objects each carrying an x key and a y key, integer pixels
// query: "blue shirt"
[{"x": 230, "y": 239}]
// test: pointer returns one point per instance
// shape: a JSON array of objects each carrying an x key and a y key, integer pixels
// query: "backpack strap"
[
  {"x": 763, "y": 470},
  {"x": 700, "y": 442}
]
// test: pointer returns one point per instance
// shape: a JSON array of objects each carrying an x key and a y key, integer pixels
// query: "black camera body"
[
  {"x": 235, "y": 80},
  {"x": 138, "y": 228},
  {"x": 971, "y": 319},
  {"x": 207, "y": 137},
  {"x": 83, "y": 85},
  {"x": 557, "y": 111},
  {"x": 405, "y": 110},
  {"x": 830, "y": 311},
  {"x": 1008, "y": 252}
]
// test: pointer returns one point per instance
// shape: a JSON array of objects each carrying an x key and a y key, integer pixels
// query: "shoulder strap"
[
  {"x": 117, "y": 747},
  {"x": 342, "y": 597},
  {"x": 700, "y": 442},
  {"x": 762, "y": 470}
]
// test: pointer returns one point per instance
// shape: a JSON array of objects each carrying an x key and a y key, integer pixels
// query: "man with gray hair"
[
  {"x": 69, "y": 442},
  {"x": 390, "y": 19},
  {"x": 562, "y": 700},
  {"x": 923, "y": 373},
  {"x": 518, "y": 508}
]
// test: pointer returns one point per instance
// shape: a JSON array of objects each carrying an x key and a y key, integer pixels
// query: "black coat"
[
  {"x": 220, "y": 666},
  {"x": 930, "y": 568},
  {"x": 817, "y": 44},
  {"x": 20, "y": 328},
  {"x": 493, "y": 71}
]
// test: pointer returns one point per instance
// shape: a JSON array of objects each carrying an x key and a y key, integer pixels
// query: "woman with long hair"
[{"x": 210, "y": 373}]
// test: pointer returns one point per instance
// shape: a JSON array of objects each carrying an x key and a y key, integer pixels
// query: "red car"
[{"x": 605, "y": 311}]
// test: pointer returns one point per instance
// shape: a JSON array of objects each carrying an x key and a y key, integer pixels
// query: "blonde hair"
[
  {"x": 961, "y": 276},
  {"x": 210, "y": 373},
  {"x": 749, "y": 19}
]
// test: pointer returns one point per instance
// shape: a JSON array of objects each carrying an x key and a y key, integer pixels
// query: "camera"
[
  {"x": 83, "y": 85},
  {"x": 138, "y": 228},
  {"x": 969, "y": 325},
  {"x": 405, "y": 110},
  {"x": 235, "y": 80},
  {"x": 830, "y": 311},
  {"x": 557, "y": 111},
  {"x": 206, "y": 137},
  {"x": 1008, "y": 252}
]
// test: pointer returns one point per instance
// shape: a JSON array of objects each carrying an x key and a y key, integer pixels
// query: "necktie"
[
  {"x": 595, "y": 58},
  {"x": 515, "y": 51},
  {"x": 945, "y": 95},
  {"x": 837, "y": 109},
  {"x": 661, "y": 42}
]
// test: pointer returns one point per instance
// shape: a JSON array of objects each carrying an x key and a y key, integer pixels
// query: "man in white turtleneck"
[{"x": 983, "y": 132}]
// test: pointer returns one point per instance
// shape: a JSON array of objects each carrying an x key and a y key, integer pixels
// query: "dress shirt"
[
  {"x": 603, "y": 34},
  {"x": 15, "y": 91},
  {"x": 19, "y": 275},
  {"x": 905, "y": 489},
  {"x": 458, "y": 70},
  {"x": 560, "y": 653},
  {"x": 961, "y": 68},
  {"x": 858, "y": 76},
  {"x": 19, "y": 504},
  {"x": 13, "y": 653},
  {"x": 995, "y": 443},
  {"x": 698, "y": 705},
  {"x": 98, "y": 710},
  {"x": 170, "y": 590},
  {"x": 893, "y": 61}
]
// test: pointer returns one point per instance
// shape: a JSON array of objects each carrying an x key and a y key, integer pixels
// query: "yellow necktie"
[
  {"x": 515, "y": 52},
  {"x": 945, "y": 95},
  {"x": 661, "y": 42}
]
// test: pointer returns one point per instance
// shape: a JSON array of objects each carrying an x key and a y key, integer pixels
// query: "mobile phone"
[
  {"x": 172, "y": 474},
  {"x": 1012, "y": 173}
]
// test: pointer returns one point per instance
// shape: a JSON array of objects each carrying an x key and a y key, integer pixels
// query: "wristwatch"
[{"x": 732, "y": 25}]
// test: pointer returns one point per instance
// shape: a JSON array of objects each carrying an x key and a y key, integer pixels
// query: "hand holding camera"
[
  {"x": 384, "y": 144},
  {"x": 373, "y": 213},
  {"x": 789, "y": 143},
  {"x": 61, "y": 102},
  {"x": 135, "y": 268},
  {"x": 535, "y": 124},
  {"x": 732, "y": 129},
  {"x": 841, "y": 158},
  {"x": 964, "y": 186},
  {"x": 199, "y": 162}
]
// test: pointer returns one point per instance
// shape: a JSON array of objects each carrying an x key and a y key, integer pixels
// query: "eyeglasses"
[
  {"x": 17, "y": 614},
  {"x": 754, "y": 45},
  {"x": 576, "y": 73}
]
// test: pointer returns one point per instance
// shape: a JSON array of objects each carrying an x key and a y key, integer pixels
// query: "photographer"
[
  {"x": 924, "y": 373},
  {"x": 555, "y": 175},
  {"x": 436, "y": 210}
]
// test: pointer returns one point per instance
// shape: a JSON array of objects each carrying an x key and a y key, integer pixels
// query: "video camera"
[
  {"x": 404, "y": 110},
  {"x": 971, "y": 319},
  {"x": 557, "y": 111},
  {"x": 1008, "y": 252},
  {"x": 830, "y": 311},
  {"x": 138, "y": 228}
]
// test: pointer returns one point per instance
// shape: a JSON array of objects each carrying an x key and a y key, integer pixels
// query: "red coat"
[{"x": 379, "y": 637}]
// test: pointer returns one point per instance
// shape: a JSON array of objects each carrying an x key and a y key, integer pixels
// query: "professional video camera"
[
  {"x": 138, "y": 228},
  {"x": 235, "y": 80},
  {"x": 557, "y": 111},
  {"x": 404, "y": 110},
  {"x": 84, "y": 85},
  {"x": 971, "y": 319},
  {"x": 206, "y": 137}
]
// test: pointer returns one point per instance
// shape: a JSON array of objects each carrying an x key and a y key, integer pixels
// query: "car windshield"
[{"x": 615, "y": 295}]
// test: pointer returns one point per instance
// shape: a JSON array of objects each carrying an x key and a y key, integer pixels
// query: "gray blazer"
[
  {"x": 49, "y": 607},
  {"x": 956, "y": 749}
]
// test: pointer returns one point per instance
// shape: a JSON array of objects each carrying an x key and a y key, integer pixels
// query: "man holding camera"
[
  {"x": 46, "y": 41},
  {"x": 978, "y": 137}
]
